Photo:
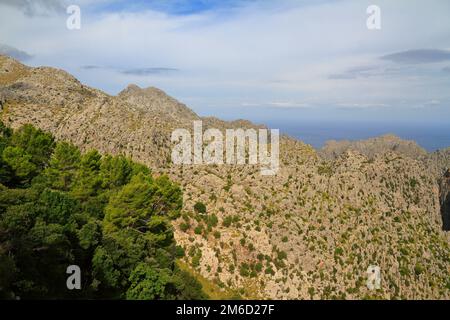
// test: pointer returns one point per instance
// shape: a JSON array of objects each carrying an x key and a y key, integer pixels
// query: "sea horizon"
[{"x": 431, "y": 137}]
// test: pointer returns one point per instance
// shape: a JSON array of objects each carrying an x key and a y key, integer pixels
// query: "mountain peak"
[
  {"x": 155, "y": 100},
  {"x": 373, "y": 146},
  {"x": 133, "y": 90},
  {"x": 132, "y": 87},
  {"x": 10, "y": 70}
]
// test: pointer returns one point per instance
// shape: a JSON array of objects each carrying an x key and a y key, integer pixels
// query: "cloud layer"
[
  {"x": 229, "y": 55},
  {"x": 36, "y": 7},
  {"x": 419, "y": 56}
]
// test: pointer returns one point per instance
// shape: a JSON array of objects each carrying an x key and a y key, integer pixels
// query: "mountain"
[
  {"x": 154, "y": 101},
  {"x": 372, "y": 147},
  {"x": 311, "y": 231}
]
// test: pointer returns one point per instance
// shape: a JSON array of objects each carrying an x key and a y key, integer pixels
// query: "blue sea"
[
  {"x": 429, "y": 136},
  {"x": 430, "y": 131}
]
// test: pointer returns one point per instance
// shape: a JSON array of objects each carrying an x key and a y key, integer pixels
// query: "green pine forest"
[{"x": 106, "y": 214}]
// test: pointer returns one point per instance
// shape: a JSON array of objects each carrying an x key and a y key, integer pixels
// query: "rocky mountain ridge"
[
  {"x": 310, "y": 231},
  {"x": 373, "y": 146}
]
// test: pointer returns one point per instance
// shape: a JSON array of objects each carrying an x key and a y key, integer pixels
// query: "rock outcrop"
[
  {"x": 373, "y": 146},
  {"x": 154, "y": 101},
  {"x": 445, "y": 200},
  {"x": 311, "y": 231}
]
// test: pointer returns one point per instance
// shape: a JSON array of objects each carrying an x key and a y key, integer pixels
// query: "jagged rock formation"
[
  {"x": 311, "y": 231},
  {"x": 373, "y": 146},
  {"x": 136, "y": 123},
  {"x": 438, "y": 162},
  {"x": 152, "y": 101},
  {"x": 445, "y": 200}
]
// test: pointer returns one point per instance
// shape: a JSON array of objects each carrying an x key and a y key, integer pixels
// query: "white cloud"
[
  {"x": 255, "y": 53},
  {"x": 288, "y": 104},
  {"x": 362, "y": 105},
  {"x": 433, "y": 102}
]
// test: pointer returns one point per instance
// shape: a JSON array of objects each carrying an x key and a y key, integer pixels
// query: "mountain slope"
[{"x": 311, "y": 231}]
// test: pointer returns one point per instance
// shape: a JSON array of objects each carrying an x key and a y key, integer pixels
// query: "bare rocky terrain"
[
  {"x": 373, "y": 147},
  {"x": 311, "y": 231}
]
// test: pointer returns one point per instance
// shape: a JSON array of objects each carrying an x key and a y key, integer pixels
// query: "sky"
[{"x": 284, "y": 60}]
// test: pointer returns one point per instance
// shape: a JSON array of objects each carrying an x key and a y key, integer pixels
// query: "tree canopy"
[{"x": 106, "y": 214}]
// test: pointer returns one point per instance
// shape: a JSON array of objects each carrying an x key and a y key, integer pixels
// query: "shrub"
[
  {"x": 419, "y": 269},
  {"x": 413, "y": 183},
  {"x": 212, "y": 221},
  {"x": 244, "y": 270},
  {"x": 179, "y": 252},
  {"x": 184, "y": 226},
  {"x": 227, "y": 221},
  {"x": 196, "y": 260},
  {"x": 282, "y": 255},
  {"x": 269, "y": 270},
  {"x": 198, "y": 229},
  {"x": 200, "y": 207}
]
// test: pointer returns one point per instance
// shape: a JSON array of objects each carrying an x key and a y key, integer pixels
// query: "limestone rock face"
[
  {"x": 311, "y": 231},
  {"x": 445, "y": 200},
  {"x": 155, "y": 101},
  {"x": 438, "y": 162},
  {"x": 374, "y": 146},
  {"x": 135, "y": 123}
]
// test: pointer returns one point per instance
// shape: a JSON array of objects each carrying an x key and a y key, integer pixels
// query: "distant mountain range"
[{"x": 311, "y": 231}]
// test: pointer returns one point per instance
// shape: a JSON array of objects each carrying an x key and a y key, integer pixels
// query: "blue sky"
[
  {"x": 177, "y": 7},
  {"x": 290, "y": 59}
]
